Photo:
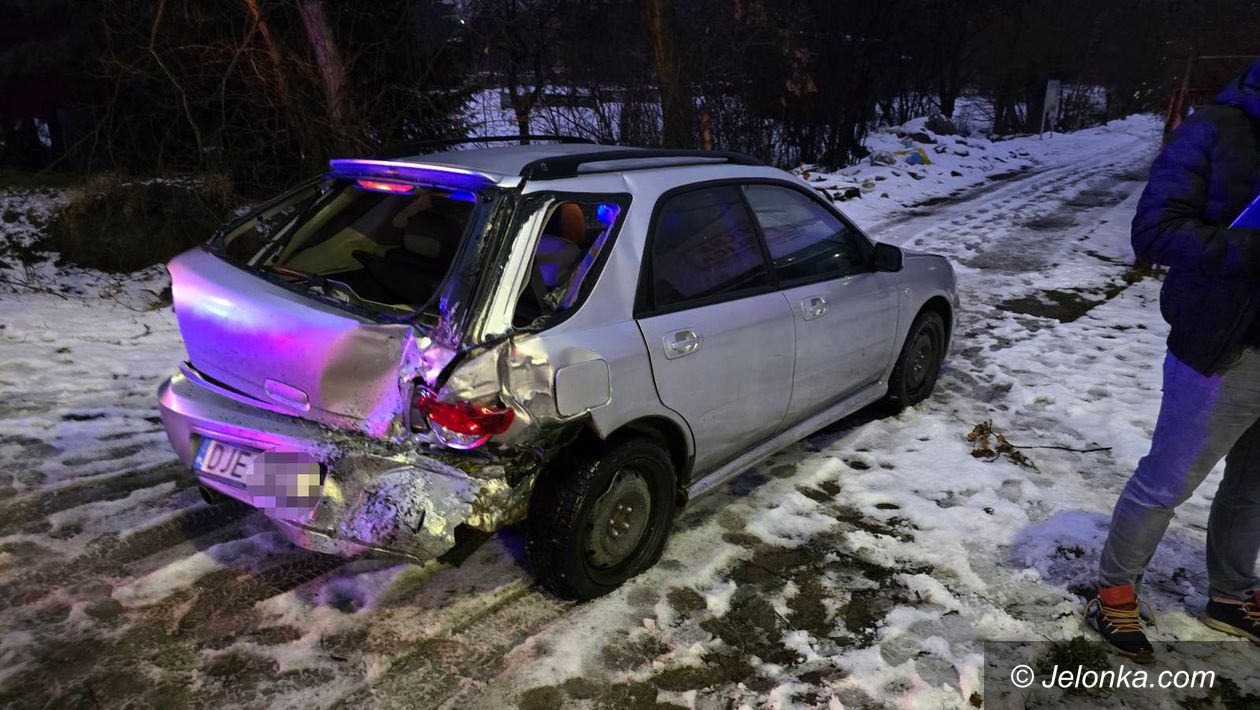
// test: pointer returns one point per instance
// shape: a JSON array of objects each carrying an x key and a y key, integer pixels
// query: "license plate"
[{"x": 221, "y": 460}]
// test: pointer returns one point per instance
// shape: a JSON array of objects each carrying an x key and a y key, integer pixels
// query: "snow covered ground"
[{"x": 862, "y": 567}]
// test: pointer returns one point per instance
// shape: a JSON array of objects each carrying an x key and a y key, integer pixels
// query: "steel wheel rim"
[
  {"x": 922, "y": 359},
  {"x": 619, "y": 521}
]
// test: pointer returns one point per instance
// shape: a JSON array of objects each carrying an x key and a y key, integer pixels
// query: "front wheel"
[
  {"x": 597, "y": 520},
  {"x": 914, "y": 376}
]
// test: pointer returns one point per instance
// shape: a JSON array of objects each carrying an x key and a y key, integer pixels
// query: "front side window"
[
  {"x": 704, "y": 246},
  {"x": 805, "y": 240}
]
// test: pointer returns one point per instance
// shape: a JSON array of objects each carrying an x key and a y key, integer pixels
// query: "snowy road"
[{"x": 864, "y": 565}]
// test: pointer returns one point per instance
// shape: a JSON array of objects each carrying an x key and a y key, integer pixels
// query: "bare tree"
[
  {"x": 951, "y": 50},
  {"x": 264, "y": 90},
  {"x": 516, "y": 38},
  {"x": 332, "y": 69},
  {"x": 677, "y": 107}
]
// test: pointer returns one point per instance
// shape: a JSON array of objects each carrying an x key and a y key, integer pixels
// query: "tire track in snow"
[
  {"x": 156, "y": 648},
  {"x": 1029, "y": 193},
  {"x": 109, "y": 557},
  {"x": 445, "y": 665},
  {"x": 20, "y": 512}
]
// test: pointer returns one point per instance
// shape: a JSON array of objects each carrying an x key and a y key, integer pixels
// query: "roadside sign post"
[{"x": 1050, "y": 108}]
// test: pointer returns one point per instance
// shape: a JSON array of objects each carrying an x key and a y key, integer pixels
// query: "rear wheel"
[
  {"x": 597, "y": 520},
  {"x": 914, "y": 376}
]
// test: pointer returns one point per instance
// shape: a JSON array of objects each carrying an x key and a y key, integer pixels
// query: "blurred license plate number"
[{"x": 223, "y": 460}]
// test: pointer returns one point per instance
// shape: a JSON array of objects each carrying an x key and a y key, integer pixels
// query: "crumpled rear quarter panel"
[
  {"x": 396, "y": 498},
  {"x": 411, "y": 504}
]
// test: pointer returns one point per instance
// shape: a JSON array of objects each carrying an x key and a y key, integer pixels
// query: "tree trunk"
[
  {"x": 1005, "y": 116},
  {"x": 522, "y": 103},
  {"x": 677, "y": 110},
  {"x": 273, "y": 55},
  {"x": 706, "y": 128},
  {"x": 292, "y": 117},
  {"x": 949, "y": 100},
  {"x": 521, "y": 110},
  {"x": 332, "y": 69}
]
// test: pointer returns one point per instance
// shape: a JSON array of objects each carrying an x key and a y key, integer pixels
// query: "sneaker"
[
  {"x": 1235, "y": 619},
  {"x": 1116, "y": 615}
]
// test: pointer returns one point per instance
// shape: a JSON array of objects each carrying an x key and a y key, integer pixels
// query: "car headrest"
[
  {"x": 568, "y": 222},
  {"x": 431, "y": 235}
]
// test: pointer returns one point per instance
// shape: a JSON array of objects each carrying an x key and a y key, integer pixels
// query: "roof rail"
[
  {"x": 404, "y": 150},
  {"x": 566, "y": 166}
]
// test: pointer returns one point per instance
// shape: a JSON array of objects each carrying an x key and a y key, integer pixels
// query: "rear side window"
[
  {"x": 704, "y": 246},
  {"x": 805, "y": 240},
  {"x": 575, "y": 234}
]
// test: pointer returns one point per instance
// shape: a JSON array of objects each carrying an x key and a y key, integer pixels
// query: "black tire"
[
  {"x": 578, "y": 511},
  {"x": 919, "y": 364}
]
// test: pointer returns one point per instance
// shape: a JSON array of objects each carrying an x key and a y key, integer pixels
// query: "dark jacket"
[{"x": 1206, "y": 175}]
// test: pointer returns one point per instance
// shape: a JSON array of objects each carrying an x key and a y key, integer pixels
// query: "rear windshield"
[{"x": 383, "y": 245}]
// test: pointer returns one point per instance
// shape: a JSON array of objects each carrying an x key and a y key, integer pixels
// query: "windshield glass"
[{"x": 381, "y": 244}]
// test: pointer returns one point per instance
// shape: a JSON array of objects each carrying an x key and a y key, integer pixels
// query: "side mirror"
[{"x": 888, "y": 257}]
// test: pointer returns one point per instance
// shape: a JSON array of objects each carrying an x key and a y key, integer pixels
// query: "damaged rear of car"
[{"x": 323, "y": 327}]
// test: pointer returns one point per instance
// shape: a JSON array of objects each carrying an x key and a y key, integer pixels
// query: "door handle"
[
  {"x": 814, "y": 307},
  {"x": 681, "y": 343}
]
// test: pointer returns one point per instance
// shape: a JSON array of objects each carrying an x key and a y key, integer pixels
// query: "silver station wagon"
[{"x": 414, "y": 350}]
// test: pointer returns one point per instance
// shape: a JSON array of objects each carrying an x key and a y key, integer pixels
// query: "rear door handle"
[
  {"x": 814, "y": 307},
  {"x": 681, "y": 343}
]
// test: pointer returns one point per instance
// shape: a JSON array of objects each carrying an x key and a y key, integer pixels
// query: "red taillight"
[
  {"x": 461, "y": 425},
  {"x": 385, "y": 186}
]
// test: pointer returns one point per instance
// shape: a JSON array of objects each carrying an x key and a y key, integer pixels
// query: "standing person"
[{"x": 1206, "y": 175}]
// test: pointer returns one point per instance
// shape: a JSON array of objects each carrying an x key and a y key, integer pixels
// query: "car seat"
[
  {"x": 561, "y": 245},
  {"x": 414, "y": 270}
]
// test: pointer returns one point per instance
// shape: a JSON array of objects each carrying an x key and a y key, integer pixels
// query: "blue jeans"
[{"x": 1201, "y": 420}]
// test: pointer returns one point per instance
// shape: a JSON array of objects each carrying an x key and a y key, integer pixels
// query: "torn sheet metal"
[
  {"x": 519, "y": 372},
  {"x": 403, "y": 499},
  {"x": 411, "y": 510}
]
